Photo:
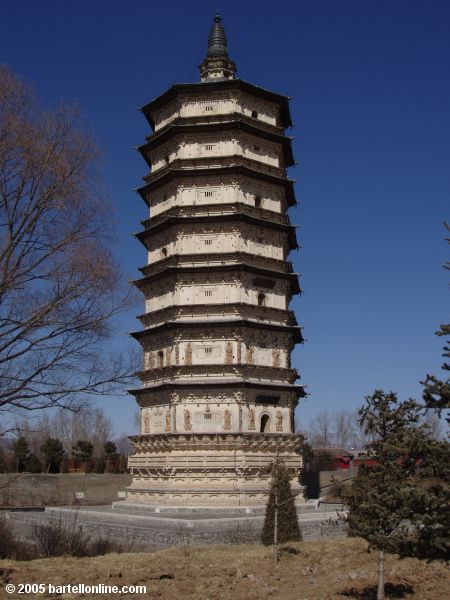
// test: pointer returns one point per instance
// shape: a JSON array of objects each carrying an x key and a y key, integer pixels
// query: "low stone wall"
[
  {"x": 160, "y": 530},
  {"x": 62, "y": 489},
  {"x": 318, "y": 483}
]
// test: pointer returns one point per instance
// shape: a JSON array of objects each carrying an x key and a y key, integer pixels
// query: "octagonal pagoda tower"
[{"x": 218, "y": 392}]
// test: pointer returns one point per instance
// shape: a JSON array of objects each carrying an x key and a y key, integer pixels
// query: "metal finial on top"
[
  {"x": 217, "y": 63},
  {"x": 217, "y": 39}
]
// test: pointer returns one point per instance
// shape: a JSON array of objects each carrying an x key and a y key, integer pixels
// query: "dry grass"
[{"x": 307, "y": 571}]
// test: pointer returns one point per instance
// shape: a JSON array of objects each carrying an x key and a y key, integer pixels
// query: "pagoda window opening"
[
  {"x": 254, "y": 114},
  {"x": 166, "y": 159},
  {"x": 160, "y": 359},
  {"x": 257, "y": 201},
  {"x": 164, "y": 252},
  {"x": 261, "y": 299},
  {"x": 265, "y": 424}
]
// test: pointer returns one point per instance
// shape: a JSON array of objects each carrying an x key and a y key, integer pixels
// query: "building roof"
[
  {"x": 242, "y": 266},
  {"x": 236, "y": 123},
  {"x": 227, "y": 218},
  {"x": 235, "y": 323},
  {"x": 212, "y": 86},
  {"x": 242, "y": 165}
]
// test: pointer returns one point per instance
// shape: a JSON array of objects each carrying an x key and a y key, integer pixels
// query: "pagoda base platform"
[
  {"x": 210, "y": 469},
  {"x": 150, "y": 530}
]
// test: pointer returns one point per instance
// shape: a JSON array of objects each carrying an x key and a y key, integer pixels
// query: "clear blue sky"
[{"x": 370, "y": 91}]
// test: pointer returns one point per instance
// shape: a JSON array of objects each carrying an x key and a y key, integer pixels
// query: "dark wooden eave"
[
  {"x": 222, "y": 384},
  {"x": 172, "y": 130},
  {"x": 217, "y": 86},
  {"x": 173, "y": 270},
  {"x": 230, "y": 306},
  {"x": 142, "y": 236},
  {"x": 170, "y": 173},
  {"x": 235, "y": 323}
]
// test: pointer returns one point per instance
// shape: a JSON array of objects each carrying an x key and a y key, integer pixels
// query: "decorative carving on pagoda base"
[
  {"x": 252, "y": 442},
  {"x": 239, "y": 486}
]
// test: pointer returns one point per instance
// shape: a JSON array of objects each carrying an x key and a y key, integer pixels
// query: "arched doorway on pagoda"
[{"x": 265, "y": 424}]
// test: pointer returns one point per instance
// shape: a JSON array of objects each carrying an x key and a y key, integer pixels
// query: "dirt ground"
[{"x": 308, "y": 571}]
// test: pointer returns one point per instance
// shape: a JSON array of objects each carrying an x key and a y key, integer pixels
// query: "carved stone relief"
[
  {"x": 279, "y": 421},
  {"x": 251, "y": 419},
  {"x": 276, "y": 357},
  {"x": 146, "y": 423},
  {"x": 168, "y": 419},
  {"x": 187, "y": 420},
  {"x": 227, "y": 420},
  {"x": 229, "y": 353},
  {"x": 249, "y": 355},
  {"x": 168, "y": 356},
  {"x": 188, "y": 354}
]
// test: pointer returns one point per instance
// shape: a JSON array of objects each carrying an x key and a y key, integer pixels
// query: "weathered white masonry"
[{"x": 218, "y": 391}]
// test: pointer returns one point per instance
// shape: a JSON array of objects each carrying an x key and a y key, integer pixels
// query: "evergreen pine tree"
[
  {"x": 110, "y": 452},
  {"x": 280, "y": 501},
  {"x": 53, "y": 451},
  {"x": 64, "y": 468},
  {"x": 21, "y": 453},
  {"x": 396, "y": 504},
  {"x": 436, "y": 393},
  {"x": 33, "y": 464}
]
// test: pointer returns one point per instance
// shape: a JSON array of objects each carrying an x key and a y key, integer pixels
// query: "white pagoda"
[{"x": 218, "y": 392}]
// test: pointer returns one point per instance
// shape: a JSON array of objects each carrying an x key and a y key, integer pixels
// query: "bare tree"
[
  {"x": 342, "y": 428},
  {"x": 321, "y": 430},
  {"x": 90, "y": 424},
  {"x": 60, "y": 287}
]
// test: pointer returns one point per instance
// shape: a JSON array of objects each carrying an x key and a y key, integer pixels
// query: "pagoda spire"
[{"x": 217, "y": 64}]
